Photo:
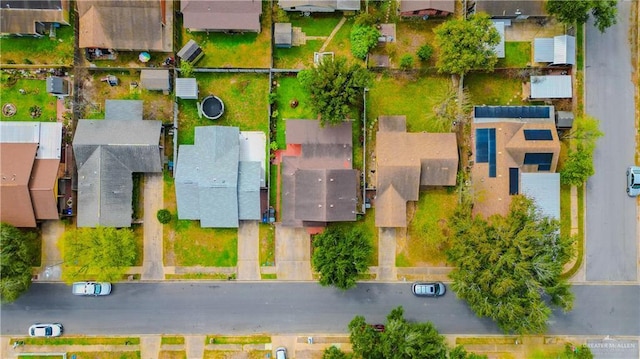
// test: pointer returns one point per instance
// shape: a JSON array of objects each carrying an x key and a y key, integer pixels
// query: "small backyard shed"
[
  {"x": 550, "y": 87},
  {"x": 158, "y": 80},
  {"x": 57, "y": 86},
  {"x": 191, "y": 52},
  {"x": 282, "y": 34},
  {"x": 559, "y": 50},
  {"x": 187, "y": 88}
]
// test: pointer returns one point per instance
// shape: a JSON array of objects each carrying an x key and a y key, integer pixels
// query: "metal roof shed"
[
  {"x": 544, "y": 189},
  {"x": 282, "y": 34},
  {"x": 155, "y": 80},
  {"x": 553, "y": 86},
  {"x": 543, "y": 49},
  {"x": 57, "y": 86},
  {"x": 187, "y": 88},
  {"x": 564, "y": 50},
  {"x": 191, "y": 52}
]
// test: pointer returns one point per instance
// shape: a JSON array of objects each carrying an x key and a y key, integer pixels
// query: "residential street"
[
  {"x": 239, "y": 308},
  {"x": 611, "y": 216}
]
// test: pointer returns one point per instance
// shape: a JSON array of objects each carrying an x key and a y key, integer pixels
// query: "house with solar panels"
[{"x": 516, "y": 152}]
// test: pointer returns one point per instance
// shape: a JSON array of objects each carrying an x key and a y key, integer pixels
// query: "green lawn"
[
  {"x": 35, "y": 95},
  {"x": 172, "y": 340},
  {"x": 517, "y": 55},
  {"x": 250, "y": 339},
  {"x": 340, "y": 45},
  {"x": 287, "y": 90},
  {"x": 415, "y": 97},
  {"x": 411, "y": 35},
  {"x": 44, "y": 50},
  {"x": 267, "y": 243},
  {"x": 427, "y": 231},
  {"x": 210, "y": 247},
  {"x": 81, "y": 341},
  {"x": 248, "y": 50},
  {"x": 245, "y": 98},
  {"x": 104, "y": 355},
  {"x": 494, "y": 89},
  {"x": 315, "y": 25},
  {"x": 296, "y": 57}
]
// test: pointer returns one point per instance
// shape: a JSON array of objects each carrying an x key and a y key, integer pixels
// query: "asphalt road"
[
  {"x": 244, "y": 308},
  {"x": 611, "y": 220}
]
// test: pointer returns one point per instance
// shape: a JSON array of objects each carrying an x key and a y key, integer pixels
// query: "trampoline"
[{"x": 212, "y": 107}]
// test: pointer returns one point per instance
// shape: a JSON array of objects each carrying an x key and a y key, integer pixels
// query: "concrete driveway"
[
  {"x": 293, "y": 253},
  {"x": 611, "y": 219}
]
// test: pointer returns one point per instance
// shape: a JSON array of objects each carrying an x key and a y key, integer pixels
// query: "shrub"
[
  {"x": 406, "y": 61},
  {"x": 186, "y": 69},
  {"x": 28, "y": 62},
  {"x": 363, "y": 39},
  {"x": 164, "y": 216},
  {"x": 424, "y": 52}
]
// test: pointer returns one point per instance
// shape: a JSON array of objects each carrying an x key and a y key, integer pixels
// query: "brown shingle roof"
[
  {"x": 510, "y": 8},
  {"x": 16, "y": 164},
  {"x": 417, "y": 5},
  {"x": 221, "y": 15},
  {"x": 407, "y": 161},
  {"x": 125, "y": 25},
  {"x": 23, "y": 20}
]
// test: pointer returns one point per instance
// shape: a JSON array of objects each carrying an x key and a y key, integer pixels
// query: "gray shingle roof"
[
  {"x": 212, "y": 185},
  {"x": 107, "y": 152},
  {"x": 123, "y": 110},
  {"x": 155, "y": 79},
  {"x": 282, "y": 34}
]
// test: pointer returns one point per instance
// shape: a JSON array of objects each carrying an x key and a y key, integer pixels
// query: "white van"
[{"x": 281, "y": 353}]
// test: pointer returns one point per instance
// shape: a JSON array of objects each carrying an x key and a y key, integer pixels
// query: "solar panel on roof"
[
  {"x": 511, "y": 111},
  {"x": 492, "y": 152},
  {"x": 543, "y": 160},
  {"x": 482, "y": 147},
  {"x": 544, "y": 135}
]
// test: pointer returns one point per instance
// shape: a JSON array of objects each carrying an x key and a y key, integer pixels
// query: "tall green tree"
[
  {"x": 507, "y": 265},
  {"x": 401, "y": 339},
  {"x": 341, "y": 255},
  {"x": 459, "y": 352},
  {"x": 363, "y": 38},
  {"x": 334, "y": 352},
  {"x": 335, "y": 86},
  {"x": 578, "y": 166},
  {"x": 101, "y": 253},
  {"x": 578, "y": 11},
  {"x": 18, "y": 254},
  {"x": 467, "y": 45}
]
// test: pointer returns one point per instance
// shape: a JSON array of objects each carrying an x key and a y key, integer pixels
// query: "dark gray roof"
[
  {"x": 123, "y": 110},
  {"x": 221, "y": 15},
  {"x": 31, "y": 4},
  {"x": 326, "y": 195},
  {"x": 511, "y": 8},
  {"x": 310, "y": 131},
  {"x": 57, "y": 85},
  {"x": 190, "y": 51},
  {"x": 107, "y": 152},
  {"x": 212, "y": 185}
]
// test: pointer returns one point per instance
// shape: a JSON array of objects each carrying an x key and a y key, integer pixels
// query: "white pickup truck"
[{"x": 91, "y": 288}]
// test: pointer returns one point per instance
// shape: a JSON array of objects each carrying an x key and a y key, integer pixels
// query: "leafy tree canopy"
[
  {"x": 18, "y": 252},
  {"x": 467, "y": 45},
  {"x": 340, "y": 255},
  {"x": 506, "y": 265},
  {"x": 578, "y": 166},
  {"x": 401, "y": 339},
  {"x": 334, "y": 86},
  {"x": 333, "y": 352},
  {"x": 577, "y": 11},
  {"x": 363, "y": 38},
  {"x": 101, "y": 253},
  {"x": 585, "y": 130}
]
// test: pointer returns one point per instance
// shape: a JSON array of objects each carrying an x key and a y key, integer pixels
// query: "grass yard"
[
  {"x": 44, "y": 50},
  {"x": 267, "y": 244},
  {"x": 517, "y": 55},
  {"x": 411, "y": 35},
  {"x": 296, "y": 57},
  {"x": 35, "y": 94},
  {"x": 318, "y": 24},
  {"x": 427, "y": 232},
  {"x": 247, "y": 50},
  {"x": 130, "y": 59},
  {"x": 172, "y": 354},
  {"x": 288, "y": 88},
  {"x": 209, "y": 247},
  {"x": 494, "y": 89},
  {"x": 225, "y": 354},
  {"x": 340, "y": 45},
  {"x": 251, "y": 339},
  {"x": 415, "y": 97},
  {"x": 245, "y": 98},
  {"x": 156, "y": 105},
  {"x": 80, "y": 341},
  {"x": 173, "y": 340},
  {"x": 104, "y": 355}
]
